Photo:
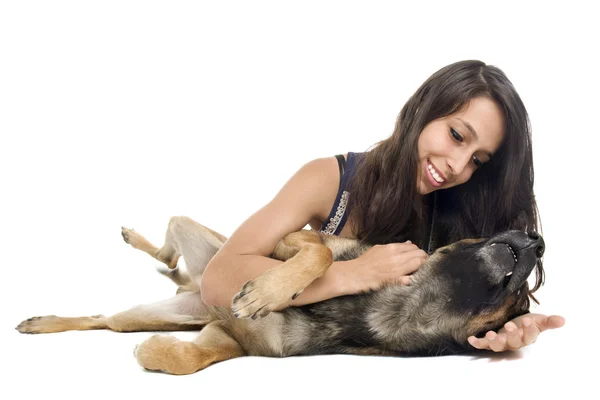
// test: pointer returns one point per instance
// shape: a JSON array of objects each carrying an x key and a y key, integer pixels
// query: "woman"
[{"x": 459, "y": 164}]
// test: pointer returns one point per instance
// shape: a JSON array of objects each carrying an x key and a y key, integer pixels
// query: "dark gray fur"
[{"x": 462, "y": 290}]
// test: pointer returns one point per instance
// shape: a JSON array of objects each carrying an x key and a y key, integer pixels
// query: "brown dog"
[{"x": 463, "y": 289}]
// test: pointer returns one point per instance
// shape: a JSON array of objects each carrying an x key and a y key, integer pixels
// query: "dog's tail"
[{"x": 181, "y": 279}]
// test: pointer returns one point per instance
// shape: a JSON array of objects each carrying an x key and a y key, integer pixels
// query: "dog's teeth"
[
  {"x": 512, "y": 252},
  {"x": 509, "y": 274}
]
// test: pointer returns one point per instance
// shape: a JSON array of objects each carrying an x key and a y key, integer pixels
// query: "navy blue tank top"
[{"x": 339, "y": 212}]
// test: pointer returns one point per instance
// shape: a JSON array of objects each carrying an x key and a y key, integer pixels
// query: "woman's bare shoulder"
[{"x": 306, "y": 197}]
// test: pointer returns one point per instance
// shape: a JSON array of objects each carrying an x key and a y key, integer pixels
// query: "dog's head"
[{"x": 478, "y": 284}]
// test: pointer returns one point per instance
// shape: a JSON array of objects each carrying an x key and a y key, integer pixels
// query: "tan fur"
[
  {"x": 225, "y": 336},
  {"x": 53, "y": 324},
  {"x": 488, "y": 320},
  {"x": 278, "y": 286},
  {"x": 168, "y": 354}
]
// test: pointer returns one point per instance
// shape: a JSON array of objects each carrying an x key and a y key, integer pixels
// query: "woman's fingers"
[
  {"x": 497, "y": 341},
  {"x": 479, "y": 343},
  {"x": 551, "y": 322},
  {"x": 406, "y": 280},
  {"x": 417, "y": 259},
  {"x": 530, "y": 331},
  {"x": 514, "y": 335}
]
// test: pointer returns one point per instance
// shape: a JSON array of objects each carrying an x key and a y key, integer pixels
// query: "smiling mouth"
[{"x": 434, "y": 176}]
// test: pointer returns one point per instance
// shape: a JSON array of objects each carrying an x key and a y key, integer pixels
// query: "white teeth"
[
  {"x": 512, "y": 252},
  {"x": 509, "y": 274},
  {"x": 435, "y": 175}
]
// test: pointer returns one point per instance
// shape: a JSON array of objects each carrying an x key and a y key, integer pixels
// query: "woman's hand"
[
  {"x": 520, "y": 332},
  {"x": 381, "y": 264}
]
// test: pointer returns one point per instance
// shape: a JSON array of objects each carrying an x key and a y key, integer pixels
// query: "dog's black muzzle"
[{"x": 518, "y": 253}]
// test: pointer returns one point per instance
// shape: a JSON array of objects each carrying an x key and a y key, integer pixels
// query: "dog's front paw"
[
  {"x": 259, "y": 297},
  {"x": 47, "y": 324}
]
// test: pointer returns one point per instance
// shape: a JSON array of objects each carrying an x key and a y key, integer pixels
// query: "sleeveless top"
[{"x": 339, "y": 212}]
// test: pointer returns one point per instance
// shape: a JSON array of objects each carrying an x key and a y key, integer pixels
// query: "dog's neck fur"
[{"x": 412, "y": 316}]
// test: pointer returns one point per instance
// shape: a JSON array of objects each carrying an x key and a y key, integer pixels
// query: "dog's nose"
[
  {"x": 533, "y": 235},
  {"x": 538, "y": 242}
]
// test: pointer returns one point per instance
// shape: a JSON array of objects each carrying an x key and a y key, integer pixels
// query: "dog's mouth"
[
  {"x": 516, "y": 255},
  {"x": 513, "y": 255}
]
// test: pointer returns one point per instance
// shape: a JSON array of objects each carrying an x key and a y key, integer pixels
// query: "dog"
[{"x": 463, "y": 289}]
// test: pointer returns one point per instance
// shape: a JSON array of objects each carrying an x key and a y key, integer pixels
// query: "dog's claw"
[
  {"x": 296, "y": 295},
  {"x": 36, "y": 324},
  {"x": 125, "y": 234},
  {"x": 236, "y": 299},
  {"x": 259, "y": 296},
  {"x": 257, "y": 299},
  {"x": 263, "y": 313},
  {"x": 238, "y": 313}
]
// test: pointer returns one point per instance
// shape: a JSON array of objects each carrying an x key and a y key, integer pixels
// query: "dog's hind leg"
[
  {"x": 169, "y": 354},
  {"x": 185, "y": 311},
  {"x": 166, "y": 254},
  {"x": 184, "y": 237}
]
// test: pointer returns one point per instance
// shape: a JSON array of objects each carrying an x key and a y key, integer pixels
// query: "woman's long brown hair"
[{"x": 385, "y": 204}]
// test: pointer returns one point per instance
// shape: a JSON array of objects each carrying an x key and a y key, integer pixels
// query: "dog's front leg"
[{"x": 310, "y": 258}]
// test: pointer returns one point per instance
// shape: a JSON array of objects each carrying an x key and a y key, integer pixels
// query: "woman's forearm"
[{"x": 225, "y": 276}]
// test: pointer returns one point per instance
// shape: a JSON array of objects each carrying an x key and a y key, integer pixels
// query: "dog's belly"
[
  {"x": 334, "y": 326},
  {"x": 324, "y": 328}
]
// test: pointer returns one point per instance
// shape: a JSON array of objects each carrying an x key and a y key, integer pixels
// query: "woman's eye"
[
  {"x": 478, "y": 163},
  {"x": 457, "y": 136}
]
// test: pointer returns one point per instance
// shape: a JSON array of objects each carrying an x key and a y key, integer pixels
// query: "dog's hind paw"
[
  {"x": 137, "y": 241},
  {"x": 168, "y": 354},
  {"x": 128, "y": 235}
]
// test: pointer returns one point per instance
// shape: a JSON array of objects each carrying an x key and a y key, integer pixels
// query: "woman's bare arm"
[{"x": 309, "y": 194}]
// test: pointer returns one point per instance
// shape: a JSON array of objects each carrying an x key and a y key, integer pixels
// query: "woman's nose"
[{"x": 458, "y": 163}]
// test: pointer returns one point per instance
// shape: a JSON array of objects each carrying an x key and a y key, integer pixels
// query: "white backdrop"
[{"x": 127, "y": 112}]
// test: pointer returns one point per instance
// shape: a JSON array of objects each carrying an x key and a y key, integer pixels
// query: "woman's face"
[{"x": 452, "y": 148}]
